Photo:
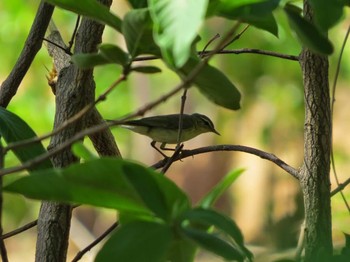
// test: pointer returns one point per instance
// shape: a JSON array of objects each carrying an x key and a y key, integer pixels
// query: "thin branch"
[
  {"x": 262, "y": 154},
  {"x": 32, "y": 45},
  {"x": 340, "y": 187},
  {"x": 20, "y": 229},
  {"x": 71, "y": 42},
  {"x": 332, "y": 113},
  {"x": 238, "y": 36},
  {"x": 94, "y": 243},
  {"x": 235, "y": 52}
]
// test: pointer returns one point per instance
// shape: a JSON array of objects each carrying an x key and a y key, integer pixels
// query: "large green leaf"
[
  {"x": 99, "y": 182},
  {"x": 137, "y": 30},
  {"x": 256, "y": 13},
  {"x": 327, "y": 13},
  {"x": 213, "y": 84},
  {"x": 307, "y": 32},
  {"x": 90, "y": 8},
  {"x": 107, "y": 182},
  {"x": 209, "y": 199},
  {"x": 13, "y": 129},
  {"x": 213, "y": 244},
  {"x": 176, "y": 24},
  {"x": 137, "y": 241},
  {"x": 224, "y": 225}
]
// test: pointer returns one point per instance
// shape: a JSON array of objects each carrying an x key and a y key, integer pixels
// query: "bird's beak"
[{"x": 216, "y": 132}]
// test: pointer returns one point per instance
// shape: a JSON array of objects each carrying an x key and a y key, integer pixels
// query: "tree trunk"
[
  {"x": 75, "y": 89},
  {"x": 314, "y": 179}
]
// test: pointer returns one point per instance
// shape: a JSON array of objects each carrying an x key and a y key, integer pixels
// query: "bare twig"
[
  {"x": 236, "y": 37},
  {"x": 94, "y": 243},
  {"x": 20, "y": 229},
  {"x": 235, "y": 52},
  {"x": 262, "y": 154},
  {"x": 71, "y": 42},
  {"x": 32, "y": 45},
  {"x": 340, "y": 187}
]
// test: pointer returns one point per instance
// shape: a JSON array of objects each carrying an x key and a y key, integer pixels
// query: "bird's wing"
[{"x": 166, "y": 122}]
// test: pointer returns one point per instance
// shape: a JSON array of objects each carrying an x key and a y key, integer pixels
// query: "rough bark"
[
  {"x": 314, "y": 179},
  {"x": 75, "y": 89}
]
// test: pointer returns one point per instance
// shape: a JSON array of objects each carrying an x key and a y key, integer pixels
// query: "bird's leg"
[{"x": 153, "y": 144}]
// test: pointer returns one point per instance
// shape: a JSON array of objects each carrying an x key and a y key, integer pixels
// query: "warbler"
[{"x": 165, "y": 128}]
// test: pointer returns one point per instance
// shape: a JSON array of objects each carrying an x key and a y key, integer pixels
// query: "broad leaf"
[
  {"x": 213, "y": 243},
  {"x": 137, "y": 241},
  {"x": 99, "y": 182},
  {"x": 146, "y": 69},
  {"x": 182, "y": 250},
  {"x": 213, "y": 84},
  {"x": 176, "y": 24},
  {"x": 223, "y": 224},
  {"x": 327, "y": 13},
  {"x": 137, "y": 30},
  {"x": 159, "y": 193},
  {"x": 85, "y": 61},
  {"x": 90, "y": 8},
  {"x": 258, "y": 14},
  {"x": 308, "y": 33},
  {"x": 114, "y": 54},
  {"x": 220, "y": 188},
  {"x": 13, "y": 129}
]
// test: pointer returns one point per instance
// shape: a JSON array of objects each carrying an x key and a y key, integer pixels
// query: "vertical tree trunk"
[
  {"x": 75, "y": 89},
  {"x": 315, "y": 180}
]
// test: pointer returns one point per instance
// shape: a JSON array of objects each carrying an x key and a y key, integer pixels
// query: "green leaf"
[
  {"x": 82, "y": 152},
  {"x": 213, "y": 84},
  {"x": 176, "y": 24},
  {"x": 86, "y": 61},
  {"x": 99, "y": 182},
  {"x": 91, "y": 9},
  {"x": 327, "y": 13},
  {"x": 137, "y": 30},
  {"x": 219, "y": 221},
  {"x": 146, "y": 69},
  {"x": 138, "y": 3},
  {"x": 210, "y": 198},
  {"x": 137, "y": 241},
  {"x": 258, "y": 14},
  {"x": 159, "y": 193},
  {"x": 308, "y": 33},
  {"x": 213, "y": 244},
  {"x": 148, "y": 189},
  {"x": 182, "y": 250},
  {"x": 13, "y": 129},
  {"x": 114, "y": 54}
]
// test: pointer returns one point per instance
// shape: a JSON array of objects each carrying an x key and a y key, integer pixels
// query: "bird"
[{"x": 165, "y": 128}]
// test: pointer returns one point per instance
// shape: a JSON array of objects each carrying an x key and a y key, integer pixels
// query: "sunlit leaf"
[
  {"x": 137, "y": 241},
  {"x": 176, "y": 24},
  {"x": 213, "y": 84},
  {"x": 217, "y": 191},
  {"x": 82, "y": 152},
  {"x": 90, "y": 8},
  {"x": 13, "y": 129},
  {"x": 308, "y": 33}
]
